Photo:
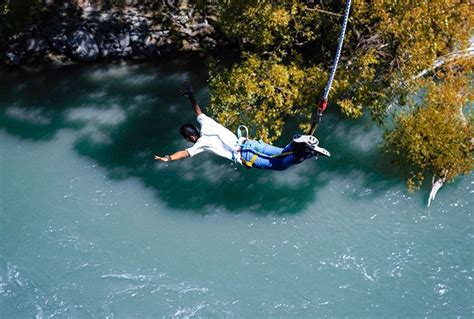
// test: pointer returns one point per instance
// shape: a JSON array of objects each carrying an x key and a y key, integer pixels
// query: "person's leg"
[
  {"x": 292, "y": 154},
  {"x": 275, "y": 158},
  {"x": 300, "y": 150},
  {"x": 269, "y": 156},
  {"x": 265, "y": 149},
  {"x": 258, "y": 154}
]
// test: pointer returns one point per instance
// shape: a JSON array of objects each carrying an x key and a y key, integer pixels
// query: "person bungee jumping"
[{"x": 216, "y": 138}]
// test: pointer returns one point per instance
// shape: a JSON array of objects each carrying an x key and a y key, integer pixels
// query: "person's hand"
[
  {"x": 187, "y": 89},
  {"x": 163, "y": 159}
]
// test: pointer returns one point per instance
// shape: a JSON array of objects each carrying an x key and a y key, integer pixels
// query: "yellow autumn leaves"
[{"x": 287, "y": 49}]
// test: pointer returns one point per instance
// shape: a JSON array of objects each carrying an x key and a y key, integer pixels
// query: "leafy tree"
[
  {"x": 434, "y": 137},
  {"x": 263, "y": 92},
  {"x": 390, "y": 49}
]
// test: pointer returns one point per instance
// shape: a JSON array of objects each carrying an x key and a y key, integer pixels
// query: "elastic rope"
[{"x": 339, "y": 48}]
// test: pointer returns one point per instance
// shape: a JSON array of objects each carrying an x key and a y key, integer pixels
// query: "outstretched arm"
[
  {"x": 188, "y": 92},
  {"x": 173, "y": 157},
  {"x": 195, "y": 105}
]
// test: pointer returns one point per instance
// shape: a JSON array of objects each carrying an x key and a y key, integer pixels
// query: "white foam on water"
[
  {"x": 14, "y": 275},
  {"x": 39, "y": 312},
  {"x": 441, "y": 289},
  {"x": 35, "y": 300},
  {"x": 99, "y": 94},
  {"x": 20, "y": 87},
  {"x": 134, "y": 277},
  {"x": 178, "y": 77},
  {"x": 111, "y": 72},
  {"x": 196, "y": 169},
  {"x": 138, "y": 80},
  {"x": 97, "y": 121},
  {"x": 96, "y": 134},
  {"x": 173, "y": 108},
  {"x": 113, "y": 115},
  {"x": 125, "y": 73},
  {"x": 363, "y": 138},
  {"x": 3, "y": 286},
  {"x": 348, "y": 262},
  {"x": 34, "y": 115},
  {"x": 301, "y": 173},
  {"x": 188, "y": 312},
  {"x": 173, "y": 295},
  {"x": 145, "y": 99}
]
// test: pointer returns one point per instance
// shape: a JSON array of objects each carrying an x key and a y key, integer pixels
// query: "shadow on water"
[{"x": 123, "y": 114}]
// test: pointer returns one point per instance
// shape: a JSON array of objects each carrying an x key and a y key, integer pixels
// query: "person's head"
[{"x": 189, "y": 132}]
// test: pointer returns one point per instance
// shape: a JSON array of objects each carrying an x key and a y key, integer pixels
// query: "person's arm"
[
  {"x": 173, "y": 157},
  {"x": 195, "y": 105},
  {"x": 188, "y": 92}
]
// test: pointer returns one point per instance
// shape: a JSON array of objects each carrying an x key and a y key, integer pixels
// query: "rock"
[
  {"x": 167, "y": 46},
  {"x": 140, "y": 25},
  {"x": 190, "y": 45},
  {"x": 36, "y": 45},
  {"x": 209, "y": 43},
  {"x": 58, "y": 42},
  {"x": 58, "y": 59},
  {"x": 204, "y": 29},
  {"x": 124, "y": 39},
  {"x": 114, "y": 46},
  {"x": 198, "y": 30},
  {"x": 83, "y": 46},
  {"x": 151, "y": 51},
  {"x": 12, "y": 58},
  {"x": 133, "y": 33},
  {"x": 127, "y": 52},
  {"x": 135, "y": 37},
  {"x": 139, "y": 38},
  {"x": 187, "y": 31}
]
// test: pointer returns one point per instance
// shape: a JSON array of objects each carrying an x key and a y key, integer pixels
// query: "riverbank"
[{"x": 66, "y": 33}]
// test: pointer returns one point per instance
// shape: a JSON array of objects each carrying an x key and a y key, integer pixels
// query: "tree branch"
[
  {"x": 468, "y": 53},
  {"x": 324, "y": 11},
  {"x": 435, "y": 188}
]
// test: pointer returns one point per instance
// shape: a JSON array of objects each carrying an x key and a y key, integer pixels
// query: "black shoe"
[{"x": 186, "y": 88}]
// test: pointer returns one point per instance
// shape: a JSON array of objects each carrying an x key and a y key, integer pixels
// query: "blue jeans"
[{"x": 268, "y": 155}]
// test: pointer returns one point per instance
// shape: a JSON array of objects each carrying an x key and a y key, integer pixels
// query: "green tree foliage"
[
  {"x": 435, "y": 137},
  {"x": 388, "y": 43},
  {"x": 263, "y": 92},
  {"x": 287, "y": 49},
  {"x": 266, "y": 24}
]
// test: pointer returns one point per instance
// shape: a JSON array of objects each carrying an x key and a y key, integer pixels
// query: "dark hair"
[{"x": 188, "y": 130}]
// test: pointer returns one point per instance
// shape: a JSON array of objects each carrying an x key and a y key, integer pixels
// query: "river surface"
[{"x": 92, "y": 227}]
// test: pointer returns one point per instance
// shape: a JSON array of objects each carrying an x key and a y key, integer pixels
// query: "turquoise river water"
[{"x": 92, "y": 227}]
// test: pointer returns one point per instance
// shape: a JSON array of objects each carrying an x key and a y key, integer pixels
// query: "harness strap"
[
  {"x": 249, "y": 164},
  {"x": 282, "y": 154},
  {"x": 242, "y": 135}
]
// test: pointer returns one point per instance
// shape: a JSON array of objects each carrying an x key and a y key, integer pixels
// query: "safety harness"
[{"x": 242, "y": 138}]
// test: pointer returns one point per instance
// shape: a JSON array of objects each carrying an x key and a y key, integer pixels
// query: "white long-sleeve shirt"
[{"x": 215, "y": 138}]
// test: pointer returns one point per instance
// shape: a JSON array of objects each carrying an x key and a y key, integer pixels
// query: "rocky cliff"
[{"x": 66, "y": 33}]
